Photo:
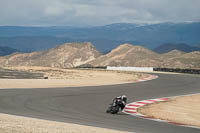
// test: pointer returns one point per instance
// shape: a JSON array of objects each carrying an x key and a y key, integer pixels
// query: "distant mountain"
[
  {"x": 32, "y": 43},
  {"x": 169, "y": 47},
  {"x": 63, "y": 56},
  {"x": 13, "y": 31},
  {"x": 39, "y": 43},
  {"x": 6, "y": 51},
  {"x": 105, "y": 38},
  {"x": 197, "y": 45}
]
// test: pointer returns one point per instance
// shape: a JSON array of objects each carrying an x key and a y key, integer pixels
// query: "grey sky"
[{"x": 96, "y": 12}]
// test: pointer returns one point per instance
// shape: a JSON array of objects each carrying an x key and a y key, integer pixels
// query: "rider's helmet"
[{"x": 124, "y": 98}]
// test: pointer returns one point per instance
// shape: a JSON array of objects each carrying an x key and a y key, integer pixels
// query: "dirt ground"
[
  {"x": 183, "y": 110},
  {"x": 69, "y": 78},
  {"x": 16, "y": 124}
]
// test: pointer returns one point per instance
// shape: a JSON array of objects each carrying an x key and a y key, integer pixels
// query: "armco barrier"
[
  {"x": 177, "y": 70},
  {"x": 138, "y": 69}
]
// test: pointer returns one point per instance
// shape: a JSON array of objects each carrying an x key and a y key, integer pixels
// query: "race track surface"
[{"x": 87, "y": 105}]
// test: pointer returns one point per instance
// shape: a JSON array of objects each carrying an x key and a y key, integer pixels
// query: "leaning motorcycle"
[{"x": 114, "y": 108}]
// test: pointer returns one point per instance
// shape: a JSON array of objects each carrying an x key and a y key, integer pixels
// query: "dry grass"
[{"x": 184, "y": 110}]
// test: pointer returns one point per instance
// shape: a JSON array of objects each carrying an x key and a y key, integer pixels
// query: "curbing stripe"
[
  {"x": 133, "y": 112},
  {"x": 142, "y": 102},
  {"x": 151, "y": 77},
  {"x": 151, "y": 101},
  {"x": 134, "y": 106},
  {"x": 130, "y": 108}
]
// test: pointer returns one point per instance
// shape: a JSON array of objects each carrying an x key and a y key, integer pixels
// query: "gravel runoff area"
[
  {"x": 18, "y": 124},
  {"x": 68, "y": 78},
  {"x": 183, "y": 110},
  {"x": 57, "y": 78}
]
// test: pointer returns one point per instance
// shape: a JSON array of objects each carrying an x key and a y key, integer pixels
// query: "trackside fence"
[
  {"x": 143, "y": 69},
  {"x": 151, "y": 69}
]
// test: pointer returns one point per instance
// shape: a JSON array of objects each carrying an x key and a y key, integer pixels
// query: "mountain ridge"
[
  {"x": 105, "y": 38},
  {"x": 70, "y": 55},
  {"x": 63, "y": 56},
  {"x": 170, "y": 46}
]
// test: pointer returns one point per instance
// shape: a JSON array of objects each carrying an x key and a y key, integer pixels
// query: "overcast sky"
[{"x": 96, "y": 12}]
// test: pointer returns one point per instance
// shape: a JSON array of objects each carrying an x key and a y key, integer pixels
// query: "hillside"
[
  {"x": 137, "y": 56},
  {"x": 187, "y": 60},
  {"x": 6, "y": 51},
  {"x": 71, "y": 55},
  {"x": 192, "y": 59},
  {"x": 128, "y": 55},
  {"x": 173, "y": 53},
  {"x": 63, "y": 56}
]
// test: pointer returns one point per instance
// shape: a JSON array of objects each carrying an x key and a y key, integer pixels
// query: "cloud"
[{"x": 96, "y": 12}]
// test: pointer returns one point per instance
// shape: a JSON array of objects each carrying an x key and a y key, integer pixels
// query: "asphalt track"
[{"x": 87, "y": 105}]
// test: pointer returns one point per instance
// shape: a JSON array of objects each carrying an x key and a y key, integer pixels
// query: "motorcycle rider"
[{"x": 121, "y": 101}]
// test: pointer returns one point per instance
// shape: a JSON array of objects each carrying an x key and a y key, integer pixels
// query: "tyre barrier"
[
  {"x": 88, "y": 66},
  {"x": 178, "y": 70}
]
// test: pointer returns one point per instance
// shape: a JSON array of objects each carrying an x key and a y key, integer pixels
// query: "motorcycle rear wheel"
[{"x": 114, "y": 109}]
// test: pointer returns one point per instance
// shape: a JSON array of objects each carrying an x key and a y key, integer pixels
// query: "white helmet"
[{"x": 124, "y": 98}]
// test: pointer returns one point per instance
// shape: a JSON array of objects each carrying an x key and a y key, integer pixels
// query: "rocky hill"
[
  {"x": 137, "y": 56},
  {"x": 173, "y": 53},
  {"x": 63, "y": 56},
  {"x": 192, "y": 59},
  {"x": 85, "y": 54},
  {"x": 128, "y": 55},
  {"x": 186, "y": 60}
]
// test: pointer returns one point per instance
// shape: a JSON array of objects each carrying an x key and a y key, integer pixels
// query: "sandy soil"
[
  {"x": 70, "y": 78},
  {"x": 184, "y": 110},
  {"x": 16, "y": 124}
]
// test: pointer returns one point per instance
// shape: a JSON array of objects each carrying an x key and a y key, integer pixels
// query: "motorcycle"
[{"x": 114, "y": 108}]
